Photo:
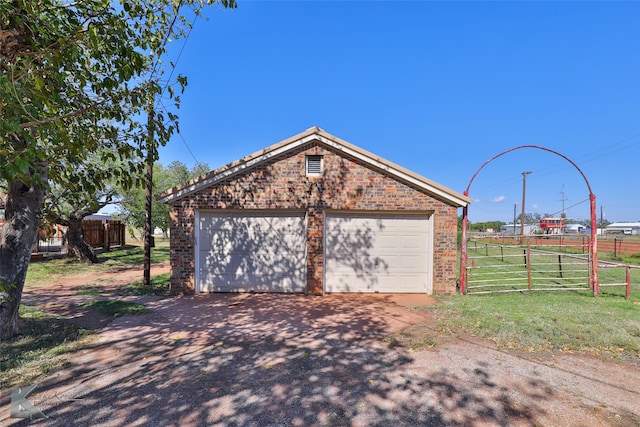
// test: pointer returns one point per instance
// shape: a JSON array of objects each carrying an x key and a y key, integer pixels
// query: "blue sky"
[{"x": 437, "y": 87}]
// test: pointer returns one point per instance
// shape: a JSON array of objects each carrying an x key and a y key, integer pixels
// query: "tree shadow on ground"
[{"x": 268, "y": 359}]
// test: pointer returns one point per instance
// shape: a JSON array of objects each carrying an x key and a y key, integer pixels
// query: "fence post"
[
  {"x": 106, "y": 245},
  {"x": 502, "y": 253},
  {"x": 528, "y": 261},
  {"x": 627, "y": 292},
  {"x": 560, "y": 265},
  {"x": 615, "y": 244},
  {"x": 486, "y": 249},
  {"x": 589, "y": 257}
]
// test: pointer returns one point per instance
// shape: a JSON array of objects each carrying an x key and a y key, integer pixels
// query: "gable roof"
[
  {"x": 624, "y": 225},
  {"x": 322, "y": 138}
]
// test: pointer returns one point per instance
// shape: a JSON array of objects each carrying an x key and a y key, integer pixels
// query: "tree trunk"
[
  {"x": 17, "y": 237},
  {"x": 76, "y": 244}
]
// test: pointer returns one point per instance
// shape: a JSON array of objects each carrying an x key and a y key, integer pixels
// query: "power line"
[
  {"x": 175, "y": 65},
  {"x": 596, "y": 155},
  {"x": 570, "y": 207},
  {"x": 183, "y": 140},
  {"x": 184, "y": 44},
  {"x": 188, "y": 149},
  {"x": 608, "y": 150},
  {"x": 166, "y": 37}
]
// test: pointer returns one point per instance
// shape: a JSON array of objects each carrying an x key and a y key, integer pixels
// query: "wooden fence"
[
  {"x": 107, "y": 234},
  {"x": 97, "y": 234}
]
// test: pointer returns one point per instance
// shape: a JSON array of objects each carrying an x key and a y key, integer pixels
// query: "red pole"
[
  {"x": 627, "y": 293},
  {"x": 594, "y": 246},
  {"x": 463, "y": 251}
]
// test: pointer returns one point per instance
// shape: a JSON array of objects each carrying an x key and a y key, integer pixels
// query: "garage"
[
  {"x": 378, "y": 252},
  {"x": 314, "y": 214},
  {"x": 251, "y": 252}
]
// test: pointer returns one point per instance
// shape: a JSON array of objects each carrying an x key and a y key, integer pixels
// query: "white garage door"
[
  {"x": 378, "y": 253},
  {"x": 242, "y": 252}
]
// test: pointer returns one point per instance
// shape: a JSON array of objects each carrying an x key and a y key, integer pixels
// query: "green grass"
[
  {"x": 42, "y": 347},
  {"x": 134, "y": 255},
  {"x": 568, "y": 321},
  {"x": 618, "y": 275},
  {"x": 40, "y": 272},
  {"x": 159, "y": 286},
  {"x": 626, "y": 259},
  {"x": 117, "y": 308},
  {"x": 116, "y": 260}
]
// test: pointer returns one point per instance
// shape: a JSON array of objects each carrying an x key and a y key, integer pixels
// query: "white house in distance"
[
  {"x": 576, "y": 229},
  {"x": 515, "y": 230},
  {"x": 628, "y": 228}
]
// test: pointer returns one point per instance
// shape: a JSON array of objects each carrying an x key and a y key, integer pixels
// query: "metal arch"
[
  {"x": 594, "y": 227},
  {"x": 528, "y": 146}
]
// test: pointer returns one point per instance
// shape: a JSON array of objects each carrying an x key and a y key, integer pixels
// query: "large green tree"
[
  {"x": 93, "y": 187},
  {"x": 75, "y": 78},
  {"x": 132, "y": 205}
]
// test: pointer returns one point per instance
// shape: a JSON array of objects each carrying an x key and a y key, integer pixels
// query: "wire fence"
[
  {"x": 495, "y": 268},
  {"x": 613, "y": 245}
]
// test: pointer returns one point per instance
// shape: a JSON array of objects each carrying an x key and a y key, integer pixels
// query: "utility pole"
[
  {"x": 524, "y": 192},
  {"x": 563, "y": 200},
  {"x": 148, "y": 235}
]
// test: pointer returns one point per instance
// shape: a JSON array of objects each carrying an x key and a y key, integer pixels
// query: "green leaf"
[
  {"x": 93, "y": 36},
  {"x": 23, "y": 166}
]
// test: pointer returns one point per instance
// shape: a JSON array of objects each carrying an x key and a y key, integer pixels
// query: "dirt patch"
[
  {"x": 67, "y": 297},
  {"x": 268, "y": 359},
  {"x": 78, "y": 315}
]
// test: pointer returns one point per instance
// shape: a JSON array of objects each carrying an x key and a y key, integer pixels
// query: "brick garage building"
[{"x": 313, "y": 214}]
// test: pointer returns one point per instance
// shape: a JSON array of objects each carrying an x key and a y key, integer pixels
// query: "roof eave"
[
  {"x": 324, "y": 138},
  {"x": 237, "y": 166}
]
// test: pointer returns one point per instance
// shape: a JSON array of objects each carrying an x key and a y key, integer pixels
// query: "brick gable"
[{"x": 280, "y": 183}]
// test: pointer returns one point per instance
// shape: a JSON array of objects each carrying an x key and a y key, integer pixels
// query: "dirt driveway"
[{"x": 280, "y": 360}]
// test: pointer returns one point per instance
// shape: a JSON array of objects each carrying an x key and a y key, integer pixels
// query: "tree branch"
[{"x": 76, "y": 113}]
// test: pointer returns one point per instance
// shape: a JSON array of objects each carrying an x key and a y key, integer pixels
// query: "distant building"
[
  {"x": 628, "y": 228},
  {"x": 100, "y": 217},
  {"x": 576, "y": 229},
  {"x": 514, "y": 230},
  {"x": 552, "y": 225}
]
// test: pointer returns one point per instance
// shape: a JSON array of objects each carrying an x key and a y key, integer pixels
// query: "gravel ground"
[{"x": 288, "y": 360}]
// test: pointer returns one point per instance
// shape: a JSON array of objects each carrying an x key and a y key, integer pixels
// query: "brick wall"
[{"x": 281, "y": 183}]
